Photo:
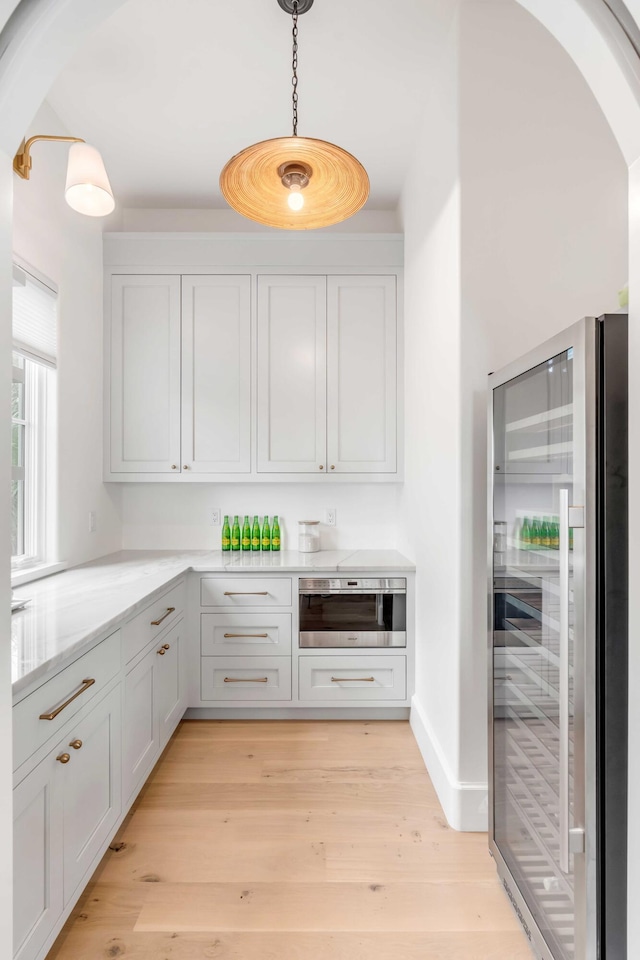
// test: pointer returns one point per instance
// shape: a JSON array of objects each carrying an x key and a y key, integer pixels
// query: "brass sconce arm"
[{"x": 22, "y": 159}]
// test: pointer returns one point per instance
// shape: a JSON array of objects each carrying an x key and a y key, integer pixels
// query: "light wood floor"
[{"x": 292, "y": 840}]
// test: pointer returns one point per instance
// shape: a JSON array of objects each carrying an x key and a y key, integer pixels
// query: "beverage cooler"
[{"x": 558, "y": 640}]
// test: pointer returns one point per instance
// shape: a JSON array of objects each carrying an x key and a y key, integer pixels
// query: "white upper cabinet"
[
  {"x": 145, "y": 374},
  {"x": 216, "y": 374},
  {"x": 361, "y": 374},
  {"x": 292, "y": 325}
]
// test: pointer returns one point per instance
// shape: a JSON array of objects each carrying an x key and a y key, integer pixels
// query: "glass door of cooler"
[{"x": 533, "y": 614}]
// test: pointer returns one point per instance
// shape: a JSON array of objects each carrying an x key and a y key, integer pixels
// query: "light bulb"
[{"x": 295, "y": 198}]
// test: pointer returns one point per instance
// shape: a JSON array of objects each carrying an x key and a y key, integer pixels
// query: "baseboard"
[
  {"x": 297, "y": 713},
  {"x": 465, "y": 803}
]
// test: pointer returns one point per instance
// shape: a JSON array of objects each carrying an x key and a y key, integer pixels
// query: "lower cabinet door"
[
  {"x": 246, "y": 678},
  {"x": 141, "y": 740},
  {"x": 353, "y": 678},
  {"x": 170, "y": 681},
  {"x": 91, "y": 787},
  {"x": 37, "y": 858}
]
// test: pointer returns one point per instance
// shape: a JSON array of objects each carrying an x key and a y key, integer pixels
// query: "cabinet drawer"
[
  {"x": 66, "y": 693},
  {"x": 153, "y": 620},
  {"x": 245, "y": 634},
  {"x": 245, "y": 592},
  {"x": 246, "y": 678},
  {"x": 353, "y": 678}
]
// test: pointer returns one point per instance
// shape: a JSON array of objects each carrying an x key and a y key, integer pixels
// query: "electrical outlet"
[
  {"x": 330, "y": 516},
  {"x": 93, "y": 521},
  {"x": 214, "y": 516}
]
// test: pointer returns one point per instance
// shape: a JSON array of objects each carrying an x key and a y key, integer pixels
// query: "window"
[{"x": 33, "y": 401}]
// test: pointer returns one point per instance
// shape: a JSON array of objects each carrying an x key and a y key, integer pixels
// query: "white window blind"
[{"x": 34, "y": 318}]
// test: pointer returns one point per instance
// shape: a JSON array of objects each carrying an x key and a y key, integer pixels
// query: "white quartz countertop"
[{"x": 70, "y": 610}]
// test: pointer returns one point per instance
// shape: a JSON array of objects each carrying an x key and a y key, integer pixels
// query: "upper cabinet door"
[
  {"x": 216, "y": 374},
  {"x": 292, "y": 374},
  {"x": 145, "y": 374},
  {"x": 361, "y": 374}
]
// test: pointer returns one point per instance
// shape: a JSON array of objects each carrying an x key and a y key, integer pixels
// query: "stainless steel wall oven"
[{"x": 353, "y": 612}]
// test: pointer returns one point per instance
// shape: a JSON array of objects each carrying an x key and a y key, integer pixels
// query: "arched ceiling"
[{"x": 169, "y": 91}]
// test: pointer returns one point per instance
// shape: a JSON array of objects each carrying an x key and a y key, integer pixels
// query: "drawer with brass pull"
[
  {"x": 41, "y": 714},
  {"x": 245, "y": 678},
  {"x": 353, "y": 678},
  {"x": 245, "y": 591},
  {"x": 153, "y": 620},
  {"x": 245, "y": 634}
]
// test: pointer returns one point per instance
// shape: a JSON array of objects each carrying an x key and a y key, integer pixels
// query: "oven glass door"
[{"x": 353, "y": 619}]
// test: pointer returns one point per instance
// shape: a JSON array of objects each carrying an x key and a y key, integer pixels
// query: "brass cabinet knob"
[
  {"x": 63, "y": 758},
  {"x": 174, "y": 466},
  {"x": 321, "y": 467},
  {"x": 161, "y": 652},
  {"x": 185, "y": 467},
  {"x": 333, "y": 466},
  {"x": 166, "y": 646},
  {"x": 76, "y": 744}
]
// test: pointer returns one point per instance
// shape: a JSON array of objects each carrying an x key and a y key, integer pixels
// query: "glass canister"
[{"x": 308, "y": 536}]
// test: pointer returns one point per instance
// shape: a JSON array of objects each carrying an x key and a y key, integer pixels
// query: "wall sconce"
[{"x": 87, "y": 189}]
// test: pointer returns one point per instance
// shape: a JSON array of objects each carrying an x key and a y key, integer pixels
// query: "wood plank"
[
  {"x": 404, "y": 907},
  {"x": 116, "y": 944}
]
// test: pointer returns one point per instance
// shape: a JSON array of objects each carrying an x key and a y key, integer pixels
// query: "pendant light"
[{"x": 295, "y": 183}]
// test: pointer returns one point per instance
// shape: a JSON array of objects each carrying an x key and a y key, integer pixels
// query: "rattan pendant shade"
[
  {"x": 338, "y": 185},
  {"x": 295, "y": 183}
]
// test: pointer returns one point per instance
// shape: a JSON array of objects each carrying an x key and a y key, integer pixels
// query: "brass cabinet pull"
[
  {"x": 246, "y": 680},
  {"x": 256, "y": 636},
  {"x": 353, "y": 679},
  {"x": 156, "y": 623},
  {"x": 63, "y": 758},
  {"x": 246, "y": 593},
  {"x": 321, "y": 467},
  {"x": 166, "y": 646},
  {"x": 89, "y": 682},
  {"x": 333, "y": 466},
  {"x": 76, "y": 744},
  {"x": 174, "y": 466},
  {"x": 185, "y": 467}
]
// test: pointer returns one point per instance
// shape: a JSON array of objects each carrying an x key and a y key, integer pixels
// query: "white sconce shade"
[{"x": 88, "y": 189}]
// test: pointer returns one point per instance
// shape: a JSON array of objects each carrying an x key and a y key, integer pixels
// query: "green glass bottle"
[
  {"x": 525, "y": 534},
  {"x": 235, "y": 534},
  {"x": 275, "y": 534},
  {"x": 545, "y": 534},
  {"x": 555, "y": 534},
  {"x": 535, "y": 532},
  {"x": 226, "y": 534},
  {"x": 255, "y": 535},
  {"x": 246, "y": 534},
  {"x": 265, "y": 542}
]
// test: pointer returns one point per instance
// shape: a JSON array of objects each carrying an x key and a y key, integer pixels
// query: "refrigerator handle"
[
  {"x": 571, "y": 840},
  {"x": 564, "y": 680}
]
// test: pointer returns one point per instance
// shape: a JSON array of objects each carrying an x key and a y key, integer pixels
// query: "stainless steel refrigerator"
[{"x": 558, "y": 639}]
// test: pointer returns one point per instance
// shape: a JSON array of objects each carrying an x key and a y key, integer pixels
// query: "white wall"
[
  {"x": 511, "y": 234},
  {"x": 67, "y": 248},
  {"x": 228, "y": 221},
  {"x": 430, "y": 501},
  {"x": 166, "y": 516}
]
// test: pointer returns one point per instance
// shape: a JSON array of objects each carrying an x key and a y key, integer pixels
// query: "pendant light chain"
[{"x": 294, "y": 67}]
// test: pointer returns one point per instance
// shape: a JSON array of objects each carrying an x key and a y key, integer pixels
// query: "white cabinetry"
[
  {"x": 145, "y": 374},
  {"x": 327, "y": 379},
  {"x": 65, "y": 811},
  {"x": 292, "y": 378},
  {"x": 154, "y": 701},
  {"x": 91, "y": 787},
  {"x": 216, "y": 374},
  {"x": 179, "y": 376},
  {"x": 37, "y": 858},
  {"x": 361, "y": 374}
]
